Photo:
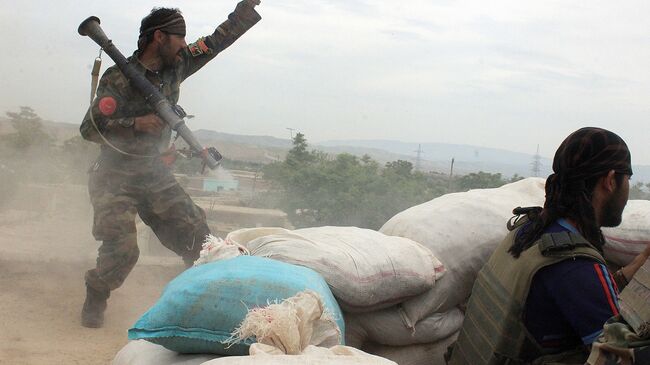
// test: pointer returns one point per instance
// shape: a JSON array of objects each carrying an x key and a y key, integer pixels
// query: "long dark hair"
[
  {"x": 584, "y": 157},
  {"x": 564, "y": 199}
]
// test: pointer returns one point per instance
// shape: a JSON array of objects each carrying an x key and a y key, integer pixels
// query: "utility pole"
[
  {"x": 291, "y": 132},
  {"x": 418, "y": 158},
  {"x": 451, "y": 174},
  {"x": 536, "y": 164}
]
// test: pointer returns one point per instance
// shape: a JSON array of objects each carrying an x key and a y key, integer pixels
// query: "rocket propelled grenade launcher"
[{"x": 90, "y": 27}]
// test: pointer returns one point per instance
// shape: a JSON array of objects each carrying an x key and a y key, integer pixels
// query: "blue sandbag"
[{"x": 198, "y": 310}]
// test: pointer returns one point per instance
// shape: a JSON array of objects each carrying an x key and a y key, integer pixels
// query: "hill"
[{"x": 434, "y": 157}]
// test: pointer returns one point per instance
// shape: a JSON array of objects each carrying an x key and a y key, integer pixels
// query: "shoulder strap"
[{"x": 561, "y": 241}]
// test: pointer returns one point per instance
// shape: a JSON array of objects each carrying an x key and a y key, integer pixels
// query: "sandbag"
[
  {"x": 142, "y": 352},
  {"x": 635, "y": 302},
  {"x": 291, "y": 326},
  {"x": 422, "y": 354},
  {"x": 286, "y": 333},
  {"x": 200, "y": 309},
  {"x": 312, "y": 355},
  {"x": 366, "y": 270},
  {"x": 387, "y": 327},
  {"x": 462, "y": 230},
  {"x": 215, "y": 249},
  {"x": 624, "y": 242}
]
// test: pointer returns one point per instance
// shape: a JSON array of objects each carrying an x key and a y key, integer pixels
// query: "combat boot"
[{"x": 92, "y": 314}]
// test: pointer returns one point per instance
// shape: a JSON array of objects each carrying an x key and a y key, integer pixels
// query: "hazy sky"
[{"x": 506, "y": 73}]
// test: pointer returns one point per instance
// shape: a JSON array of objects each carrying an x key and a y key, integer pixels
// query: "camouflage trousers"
[
  {"x": 619, "y": 345},
  {"x": 160, "y": 202}
]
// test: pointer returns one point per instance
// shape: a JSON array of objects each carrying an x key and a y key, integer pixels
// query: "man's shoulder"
[
  {"x": 115, "y": 78},
  {"x": 570, "y": 271}
]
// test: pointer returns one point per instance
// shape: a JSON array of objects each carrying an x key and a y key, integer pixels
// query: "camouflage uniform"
[{"x": 122, "y": 185}]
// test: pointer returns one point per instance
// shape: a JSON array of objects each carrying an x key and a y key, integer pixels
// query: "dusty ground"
[{"x": 42, "y": 260}]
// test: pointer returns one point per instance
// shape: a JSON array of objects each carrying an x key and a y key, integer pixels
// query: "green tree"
[
  {"x": 515, "y": 178},
  {"x": 29, "y": 130},
  {"x": 299, "y": 154},
  {"x": 399, "y": 167},
  {"x": 479, "y": 180},
  {"x": 314, "y": 188}
]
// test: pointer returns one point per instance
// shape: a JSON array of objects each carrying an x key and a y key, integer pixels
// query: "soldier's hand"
[
  {"x": 252, "y": 3},
  {"x": 149, "y": 123}
]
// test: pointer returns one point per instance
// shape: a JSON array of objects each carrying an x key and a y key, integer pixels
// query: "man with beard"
[
  {"x": 129, "y": 177},
  {"x": 545, "y": 293}
]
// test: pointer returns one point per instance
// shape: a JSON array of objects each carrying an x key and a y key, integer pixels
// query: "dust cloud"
[{"x": 46, "y": 245}]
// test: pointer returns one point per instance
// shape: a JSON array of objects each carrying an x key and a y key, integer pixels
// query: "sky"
[{"x": 507, "y": 74}]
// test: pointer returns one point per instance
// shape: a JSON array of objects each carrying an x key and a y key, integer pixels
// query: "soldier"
[
  {"x": 545, "y": 293},
  {"x": 129, "y": 176}
]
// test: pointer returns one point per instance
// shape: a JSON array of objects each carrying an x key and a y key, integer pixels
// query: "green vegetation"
[
  {"x": 30, "y": 153},
  {"x": 29, "y": 132},
  {"x": 312, "y": 187},
  {"x": 316, "y": 189}
]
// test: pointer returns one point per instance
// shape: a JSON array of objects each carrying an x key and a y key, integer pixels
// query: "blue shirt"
[{"x": 569, "y": 302}]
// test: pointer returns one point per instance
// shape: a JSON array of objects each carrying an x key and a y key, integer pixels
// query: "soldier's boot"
[{"x": 92, "y": 314}]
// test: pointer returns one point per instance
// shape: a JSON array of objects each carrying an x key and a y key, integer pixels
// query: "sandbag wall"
[
  {"x": 370, "y": 275},
  {"x": 403, "y": 289}
]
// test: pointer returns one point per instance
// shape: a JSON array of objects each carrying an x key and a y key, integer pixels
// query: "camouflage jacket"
[{"x": 129, "y": 103}]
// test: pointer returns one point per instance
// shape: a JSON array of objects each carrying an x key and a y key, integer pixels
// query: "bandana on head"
[
  {"x": 590, "y": 152},
  {"x": 174, "y": 23}
]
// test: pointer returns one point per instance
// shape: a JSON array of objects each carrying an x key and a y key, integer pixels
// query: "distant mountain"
[
  {"x": 263, "y": 141},
  {"x": 467, "y": 159},
  {"x": 441, "y": 151},
  {"x": 59, "y": 131},
  {"x": 434, "y": 156},
  {"x": 437, "y": 156}
]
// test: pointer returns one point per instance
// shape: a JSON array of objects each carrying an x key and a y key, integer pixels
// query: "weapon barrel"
[{"x": 91, "y": 28}]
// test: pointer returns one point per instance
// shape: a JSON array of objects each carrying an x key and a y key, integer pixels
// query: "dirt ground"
[{"x": 43, "y": 257}]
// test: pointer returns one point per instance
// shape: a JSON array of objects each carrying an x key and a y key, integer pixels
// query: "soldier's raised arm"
[{"x": 204, "y": 49}]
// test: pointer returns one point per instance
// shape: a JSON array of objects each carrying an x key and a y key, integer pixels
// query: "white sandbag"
[
  {"x": 387, "y": 327},
  {"x": 462, "y": 230},
  {"x": 141, "y": 352},
  {"x": 627, "y": 240},
  {"x": 365, "y": 269},
  {"x": 215, "y": 249},
  {"x": 286, "y": 333},
  {"x": 312, "y": 355},
  {"x": 292, "y": 325},
  {"x": 423, "y": 354}
]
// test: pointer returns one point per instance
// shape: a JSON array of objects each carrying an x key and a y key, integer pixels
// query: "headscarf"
[
  {"x": 590, "y": 152},
  {"x": 172, "y": 23}
]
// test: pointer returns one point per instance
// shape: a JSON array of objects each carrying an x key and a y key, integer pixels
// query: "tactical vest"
[{"x": 493, "y": 331}]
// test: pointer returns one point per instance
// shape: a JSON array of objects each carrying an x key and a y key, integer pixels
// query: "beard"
[
  {"x": 169, "y": 59},
  {"x": 613, "y": 209}
]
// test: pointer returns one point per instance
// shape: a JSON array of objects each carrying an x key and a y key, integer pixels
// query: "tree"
[
  {"x": 479, "y": 180},
  {"x": 515, "y": 178},
  {"x": 314, "y": 188},
  {"x": 299, "y": 153},
  {"x": 29, "y": 130},
  {"x": 399, "y": 168}
]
